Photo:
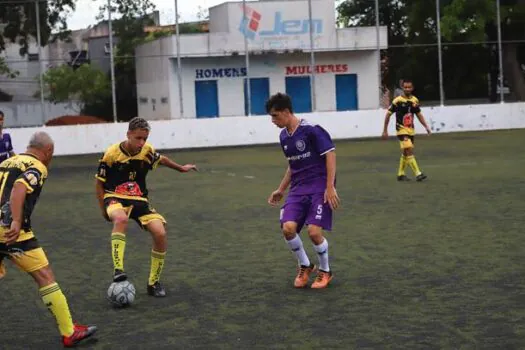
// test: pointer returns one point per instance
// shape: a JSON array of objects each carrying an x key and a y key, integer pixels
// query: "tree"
[
  {"x": 412, "y": 39},
  {"x": 20, "y": 20},
  {"x": 133, "y": 16},
  {"x": 85, "y": 85},
  {"x": 476, "y": 20}
]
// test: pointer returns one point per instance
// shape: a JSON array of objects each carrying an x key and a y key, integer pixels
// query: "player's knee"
[
  {"x": 315, "y": 233},
  {"x": 289, "y": 230},
  {"x": 120, "y": 220},
  {"x": 43, "y": 276}
]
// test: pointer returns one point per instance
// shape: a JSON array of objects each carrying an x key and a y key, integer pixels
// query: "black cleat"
[
  {"x": 119, "y": 276},
  {"x": 421, "y": 177},
  {"x": 402, "y": 178},
  {"x": 157, "y": 290}
]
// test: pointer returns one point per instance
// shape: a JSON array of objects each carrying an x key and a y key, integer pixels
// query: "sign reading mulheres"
[
  {"x": 319, "y": 69},
  {"x": 220, "y": 73}
]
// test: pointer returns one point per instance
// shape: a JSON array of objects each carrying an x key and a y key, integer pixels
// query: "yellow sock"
[
  {"x": 118, "y": 246},
  {"x": 402, "y": 165},
  {"x": 56, "y": 303},
  {"x": 157, "y": 263},
  {"x": 411, "y": 161}
]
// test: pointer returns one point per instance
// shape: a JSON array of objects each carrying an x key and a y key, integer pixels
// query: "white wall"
[
  {"x": 22, "y": 114},
  {"x": 190, "y": 133}
]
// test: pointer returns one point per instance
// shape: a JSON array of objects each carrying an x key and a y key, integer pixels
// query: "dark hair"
[
  {"x": 408, "y": 81},
  {"x": 2, "y": 114},
  {"x": 279, "y": 102},
  {"x": 138, "y": 123}
]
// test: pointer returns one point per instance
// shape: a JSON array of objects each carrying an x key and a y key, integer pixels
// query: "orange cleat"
[
  {"x": 322, "y": 280},
  {"x": 303, "y": 275}
]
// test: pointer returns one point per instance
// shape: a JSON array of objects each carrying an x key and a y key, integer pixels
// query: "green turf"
[{"x": 437, "y": 264}]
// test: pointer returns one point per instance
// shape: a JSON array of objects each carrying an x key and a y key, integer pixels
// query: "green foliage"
[
  {"x": 20, "y": 19},
  {"x": 84, "y": 85},
  {"x": 6, "y": 71},
  {"x": 412, "y": 39}
]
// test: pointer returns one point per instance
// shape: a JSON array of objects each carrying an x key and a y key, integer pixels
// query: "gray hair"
[
  {"x": 138, "y": 123},
  {"x": 39, "y": 140}
]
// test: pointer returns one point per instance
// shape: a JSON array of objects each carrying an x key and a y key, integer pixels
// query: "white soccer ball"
[{"x": 121, "y": 294}]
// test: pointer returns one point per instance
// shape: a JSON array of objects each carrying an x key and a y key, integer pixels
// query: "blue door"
[
  {"x": 298, "y": 88},
  {"x": 346, "y": 92},
  {"x": 259, "y": 94},
  {"x": 206, "y": 99}
]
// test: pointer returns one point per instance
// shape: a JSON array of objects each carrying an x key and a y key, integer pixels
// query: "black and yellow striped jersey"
[
  {"x": 32, "y": 173},
  {"x": 404, "y": 109},
  {"x": 123, "y": 174}
]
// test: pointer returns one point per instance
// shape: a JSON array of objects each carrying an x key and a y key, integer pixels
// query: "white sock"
[
  {"x": 296, "y": 245},
  {"x": 322, "y": 253}
]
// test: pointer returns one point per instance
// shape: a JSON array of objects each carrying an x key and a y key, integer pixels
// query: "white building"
[{"x": 278, "y": 34}]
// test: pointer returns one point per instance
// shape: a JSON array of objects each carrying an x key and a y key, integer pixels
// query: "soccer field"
[{"x": 438, "y": 264}]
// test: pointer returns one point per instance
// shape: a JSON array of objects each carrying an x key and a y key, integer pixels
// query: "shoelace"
[
  {"x": 320, "y": 276},
  {"x": 302, "y": 271}
]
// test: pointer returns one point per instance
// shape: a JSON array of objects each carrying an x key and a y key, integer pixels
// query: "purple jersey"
[
  {"x": 305, "y": 150},
  {"x": 6, "y": 147}
]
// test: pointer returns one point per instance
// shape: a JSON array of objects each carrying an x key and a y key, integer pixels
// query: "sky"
[{"x": 87, "y": 10}]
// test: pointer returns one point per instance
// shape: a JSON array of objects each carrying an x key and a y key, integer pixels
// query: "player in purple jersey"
[
  {"x": 312, "y": 196},
  {"x": 6, "y": 146}
]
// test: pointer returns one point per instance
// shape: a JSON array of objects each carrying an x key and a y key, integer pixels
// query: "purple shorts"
[{"x": 307, "y": 209}]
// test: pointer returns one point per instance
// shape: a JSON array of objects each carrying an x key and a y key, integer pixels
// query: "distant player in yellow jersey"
[
  {"x": 21, "y": 180},
  {"x": 405, "y": 107},
  {"x": 122, "y": 194}
]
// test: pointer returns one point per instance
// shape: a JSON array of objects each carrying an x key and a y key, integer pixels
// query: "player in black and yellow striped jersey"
[
  {"x": 405, "y": 107},
  {"x": 21, "y": 180},
  {"x": 122, "y": 194}
]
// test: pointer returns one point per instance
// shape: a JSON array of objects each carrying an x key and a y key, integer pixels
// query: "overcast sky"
[{"x": 87, "y": 10}]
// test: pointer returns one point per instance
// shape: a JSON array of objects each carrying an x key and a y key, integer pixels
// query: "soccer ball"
[{"x": 121, "y": 294}]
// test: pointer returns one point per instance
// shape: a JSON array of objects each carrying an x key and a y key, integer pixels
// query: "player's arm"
[
  {"x": 278, "y": 194},
  {"x": 99, "y": 186},
  {"x": 16, "y": 200},
  {"x": 101, "y": 178},
  {"x": 10, "y": 150},
  {"x": 423, "y": 122},
  {"x": 167, "y": 162},
  {"x": 389, "y": 113},
  {"x": 330, "y": 195}
]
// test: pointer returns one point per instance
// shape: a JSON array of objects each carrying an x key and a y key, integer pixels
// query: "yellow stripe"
[
  {"x": 117, "y": 234},
  {"x": 99, "y": 178},
  {"x": 123, "y": 196},
  {"x": 29, "y": 188}
]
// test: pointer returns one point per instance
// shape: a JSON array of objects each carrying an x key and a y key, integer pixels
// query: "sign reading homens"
[{"x": 319, "y": 69}]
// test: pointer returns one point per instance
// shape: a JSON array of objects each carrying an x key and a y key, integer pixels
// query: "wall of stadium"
[{"x": 238, "y": 131}]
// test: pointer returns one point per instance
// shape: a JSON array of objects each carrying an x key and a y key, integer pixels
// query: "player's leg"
[
  {"x": 150, "y": 220},
  {"x": 292, "y": 220},
  {"x": 401, "y": 176},
  {"x": 320, "y": 217},
  {"x": 157, "y": 229},
  {"x": 411, "y": 159},
  {"x": 119, "y": 216},
  {"x": 32, "y": 259}
]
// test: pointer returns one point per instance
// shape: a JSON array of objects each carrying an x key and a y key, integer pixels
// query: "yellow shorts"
[
  {"x": 27, "y": 255},
  {"x": 138, "y": 210},
  {"x": 406, "y": 141}
]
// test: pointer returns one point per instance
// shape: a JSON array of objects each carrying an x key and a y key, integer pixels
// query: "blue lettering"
[
  {"x": 292, "y": 27},
  {"x": 198, "y": 74},
  {"x": 207, "y": 73},
  {"x": 217, "y": 73},
  {"x": 228, "y": 72},
  {"x": 243, "y": 72}
]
